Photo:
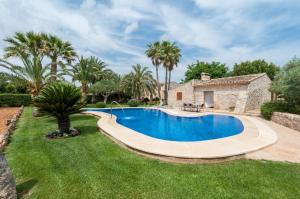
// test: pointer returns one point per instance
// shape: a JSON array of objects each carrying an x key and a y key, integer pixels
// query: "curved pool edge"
[{"x": 256, "y": 135}]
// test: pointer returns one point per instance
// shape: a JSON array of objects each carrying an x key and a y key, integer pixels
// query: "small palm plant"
[{"x": 60, "y": 100}]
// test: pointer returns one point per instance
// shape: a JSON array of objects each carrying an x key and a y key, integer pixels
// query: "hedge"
[
  {"x": 15, "y": 99},
  {"x": 133, "y": 103},
  {"x": 268, "y": 108},
  {"x": 100, "y": 105}
]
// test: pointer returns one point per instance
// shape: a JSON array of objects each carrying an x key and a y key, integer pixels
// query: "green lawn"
[{"x": 92, "y": 166}]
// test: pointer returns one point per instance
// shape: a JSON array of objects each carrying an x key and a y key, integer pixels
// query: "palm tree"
[
  {"x": 83, "y": 72},
  {"x": 154, "y": 53},
  {"x": 176, "y": 57},
  {"x": 88, "y": 71},
  {"x": 24, "y": 44},
  {"x": 170, "y": 55},
  {"x": 100, "y": 70},
  {"x": 58, "y": 51},
  {"x": 32, "y": 71},
  {"x": 59, "y": 100},
  {"x": 139, "y": 81}
]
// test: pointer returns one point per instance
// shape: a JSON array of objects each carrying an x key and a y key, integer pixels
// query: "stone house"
[{"x": 239, "y": 93}]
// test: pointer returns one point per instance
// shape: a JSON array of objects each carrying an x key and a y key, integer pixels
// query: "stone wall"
[
  {"x": 258, "y": 93},
  {"x": 7, "y": 182},
  {"x": 225, "y": 97},
  {"x": 287, "y": 119},
  {"x": 187, "y": 94}
]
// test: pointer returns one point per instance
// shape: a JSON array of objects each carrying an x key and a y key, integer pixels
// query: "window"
[{"x": 179, "y": 96}]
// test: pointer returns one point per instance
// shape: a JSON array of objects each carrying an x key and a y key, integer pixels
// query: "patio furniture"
[{"x": 190, "y": 107}]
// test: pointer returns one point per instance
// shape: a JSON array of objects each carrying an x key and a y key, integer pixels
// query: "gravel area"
[{"x": 6, "y": 114}]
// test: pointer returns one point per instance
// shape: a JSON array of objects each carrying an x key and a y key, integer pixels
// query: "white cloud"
[
  {"x": 225, "y": 30},
  {"x": 131, "y": 28}
]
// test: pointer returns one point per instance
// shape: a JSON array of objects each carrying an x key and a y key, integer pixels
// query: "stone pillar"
[{"x": 7, "y": 182}]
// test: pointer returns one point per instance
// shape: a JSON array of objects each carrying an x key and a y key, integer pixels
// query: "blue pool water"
[{"x": 158, "y": 124}]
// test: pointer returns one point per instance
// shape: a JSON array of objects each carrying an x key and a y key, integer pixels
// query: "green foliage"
[
  {"x": 100, "y": 105},
  {"x": 254, "y": 67},
  {"x": 13, "y": 100},
  {"x": 215, "y": 69},
  {"x": 105, "y": 88},
  {"x": 32, "y": 71},
  {"x": 139, "y": 82},
  {"x": 133, "y": 103},
  {"x": 154, "y": 53},
  {"x": 88, "y": 71},
  {"x": 59, "y": 100},
  {"x": 268, "y": 108},
  {"x": 12, "y": 84},
  {"x": 287, "y": 84}
]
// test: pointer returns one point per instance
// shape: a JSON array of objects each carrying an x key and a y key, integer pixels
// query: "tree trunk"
[
  {"x": 157, "y": 82},
  {"x": 84, "y": 90},
  {"x": 105, "y": 98},
  {"x": 166, "y": 88},
  {"x": 93, "y": 98},
  {"x": 63, "y": 124},
  {"x": 53, "y": 69},
  {"x": 169, "y": 79}
]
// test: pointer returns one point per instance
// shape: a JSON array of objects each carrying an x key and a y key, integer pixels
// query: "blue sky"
[{"x": 118, "y": 31}]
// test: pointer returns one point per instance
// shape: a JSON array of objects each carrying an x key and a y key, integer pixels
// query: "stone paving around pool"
[{"x": 256, "y": 135}]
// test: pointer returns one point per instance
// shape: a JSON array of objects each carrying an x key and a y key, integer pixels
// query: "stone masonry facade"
[{"x": 237, "y": 97}]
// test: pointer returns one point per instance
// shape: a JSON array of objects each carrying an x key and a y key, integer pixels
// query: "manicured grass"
[{"x": 92, "y": 166}]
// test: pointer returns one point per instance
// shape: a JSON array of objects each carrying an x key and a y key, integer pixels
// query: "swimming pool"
[{"x": 158, "y": 124}]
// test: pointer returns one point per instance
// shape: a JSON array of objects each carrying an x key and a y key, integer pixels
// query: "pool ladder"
[{"x": 117, "y": 104}]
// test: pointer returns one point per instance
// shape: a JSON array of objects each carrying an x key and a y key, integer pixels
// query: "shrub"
[
  {"x": 268, "y": 108},
  {"x": 100, "y": 105},
  {"x": 60, "y": 100},
  {"x": 15, "y": 99},
  {"x": 133, "y": 103}
]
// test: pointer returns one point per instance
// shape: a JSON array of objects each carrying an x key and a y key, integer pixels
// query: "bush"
[
  {"x": 133, "y": 103},
  {"x": 100, "y": 105},
  {"x": 15, "y": 99},
  {"x": 268, "y": 108}
]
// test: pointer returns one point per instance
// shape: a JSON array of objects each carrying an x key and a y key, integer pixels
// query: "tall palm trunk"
[
  {"x": 157, "y": 82},
  {"x": 84, "y": 89},
  {"x": 169, "y": 79},
  {"x": 166, "y": 88},
  {"x": 63, "y": 122},
  {"x": 53, "y": 69}
]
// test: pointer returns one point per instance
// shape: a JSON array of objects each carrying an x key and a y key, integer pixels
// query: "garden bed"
[{"x": 6, "y": 114}]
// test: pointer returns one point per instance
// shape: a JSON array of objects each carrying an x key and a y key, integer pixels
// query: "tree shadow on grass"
[
  {"x": 86, "y": 130},
  {"x": 24, "y": 188},
  {"x": 80, "y": 117}
]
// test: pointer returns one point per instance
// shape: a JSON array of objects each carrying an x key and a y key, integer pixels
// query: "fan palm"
[
  {"x": 24, "y": 44},
  {"x": 139, "y": 81},
  {"x": 170, "y": 55},
  {"x": 59, "y": 100},
  {"x": 32, "y": 71},
  {"x": 154, "y": 53},
  {"x": 58, "y": 51}
]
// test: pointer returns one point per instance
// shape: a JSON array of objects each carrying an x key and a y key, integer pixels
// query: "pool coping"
[{"x": 256, "y": 135}]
